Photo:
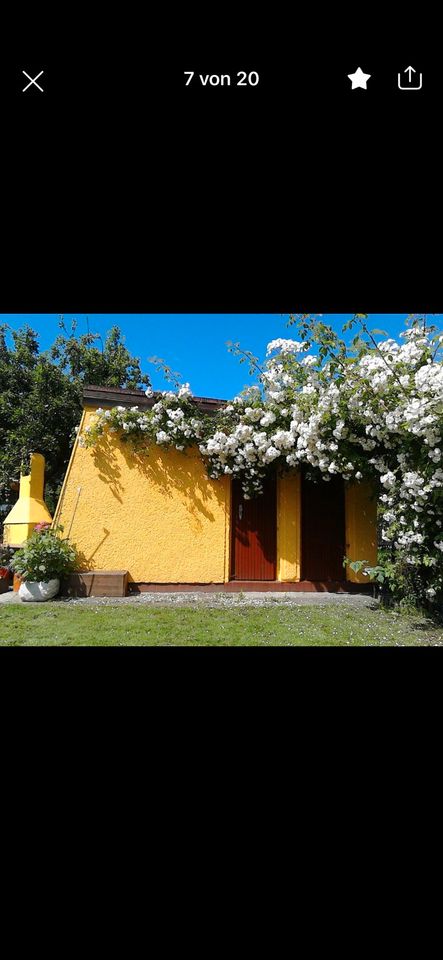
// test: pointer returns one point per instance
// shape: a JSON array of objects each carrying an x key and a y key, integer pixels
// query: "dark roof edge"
[{"x": 124, "y": 397}]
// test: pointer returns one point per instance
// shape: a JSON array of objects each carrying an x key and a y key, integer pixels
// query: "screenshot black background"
[{"x": 125, "y": 189}]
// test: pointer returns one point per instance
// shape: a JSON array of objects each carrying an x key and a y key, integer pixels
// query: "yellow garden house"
[{"x": 160, "y": 517}]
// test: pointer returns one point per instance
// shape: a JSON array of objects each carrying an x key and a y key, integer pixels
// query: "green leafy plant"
[
  {"x": 377, "y": 573},
  {"x": 6, "y": 554},
  {"x": 45, "y": 556}
]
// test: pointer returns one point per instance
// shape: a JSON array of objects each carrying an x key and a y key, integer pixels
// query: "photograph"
[{"x": 221, "y": 479}]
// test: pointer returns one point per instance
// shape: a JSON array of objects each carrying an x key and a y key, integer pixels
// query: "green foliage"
[
  {"x": 39, "y": 408},
  {"x": 244, "y": 356},
  {"x": 41, "y": 396},
  {"x": 172, "y": 376},
  {"x": 107, "y": 365},
  {"x": 407, "y": 585},
  {"x": 377, "y": 573},
  {"x": 45, "y": 556},
  {"x": 6, "y": 554}
]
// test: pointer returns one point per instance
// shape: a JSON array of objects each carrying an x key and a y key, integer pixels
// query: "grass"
[{"x": 53, "y": 624}]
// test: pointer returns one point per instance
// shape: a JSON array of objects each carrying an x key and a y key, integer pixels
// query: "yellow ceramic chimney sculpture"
[{"x": 30, "y": 508}]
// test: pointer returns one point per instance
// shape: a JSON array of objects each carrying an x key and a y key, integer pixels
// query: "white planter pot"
[{"x": 39, "y": 591}]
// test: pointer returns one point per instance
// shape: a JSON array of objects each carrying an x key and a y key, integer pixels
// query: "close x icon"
[{"x": 32, "y": 80}]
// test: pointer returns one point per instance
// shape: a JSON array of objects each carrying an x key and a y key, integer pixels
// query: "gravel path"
[{"x": 197, "y": 600}]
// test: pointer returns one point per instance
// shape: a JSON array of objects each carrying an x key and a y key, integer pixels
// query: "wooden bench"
[{"x": 95, "y": 583}]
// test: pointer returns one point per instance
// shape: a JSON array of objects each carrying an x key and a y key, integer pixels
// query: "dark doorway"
[
  {"x": 323, "y": 529},
  {"x": 254, "y": 533}
]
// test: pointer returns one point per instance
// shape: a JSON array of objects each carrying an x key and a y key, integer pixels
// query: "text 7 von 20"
[{"x": 243, "y": 79}]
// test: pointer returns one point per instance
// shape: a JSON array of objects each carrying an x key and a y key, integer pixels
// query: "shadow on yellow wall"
[
  {"x": 153, "y": 511},
  {"x": 88, "y": 562},
  {"x": 108, "y": 470},
  {"x": 172, "y": 475}
]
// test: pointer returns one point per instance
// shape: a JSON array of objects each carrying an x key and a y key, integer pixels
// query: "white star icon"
[{"x": 359, "y": 79}]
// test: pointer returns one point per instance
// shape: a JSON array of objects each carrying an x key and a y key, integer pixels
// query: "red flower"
[
  {"x": 40, "y": 527},
  {"x": 4, "y": 572}
]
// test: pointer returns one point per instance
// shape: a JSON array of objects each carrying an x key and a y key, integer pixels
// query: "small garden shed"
[{"x": 158, "y": 515}]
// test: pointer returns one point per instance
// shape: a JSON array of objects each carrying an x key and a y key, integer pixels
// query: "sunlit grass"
[{"x": 334, "y": 625}]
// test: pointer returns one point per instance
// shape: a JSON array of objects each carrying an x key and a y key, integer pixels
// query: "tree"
[
  {"x": 41, "y": 397},
  {"x": 110, "y": 365}
]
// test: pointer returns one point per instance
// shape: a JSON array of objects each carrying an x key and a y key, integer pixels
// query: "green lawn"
[{"x": 64, "y": 625}]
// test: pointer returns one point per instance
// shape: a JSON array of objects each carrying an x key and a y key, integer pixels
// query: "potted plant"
[
  {"x": 42, "y": 561},
  {"x": 4, "y": 579},
  {"x": 5, "y": 569}
]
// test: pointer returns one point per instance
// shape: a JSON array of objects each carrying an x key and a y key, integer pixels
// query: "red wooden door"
[
  {"x": 254, "y": 533},
  {"x": 323, "y": 529}
]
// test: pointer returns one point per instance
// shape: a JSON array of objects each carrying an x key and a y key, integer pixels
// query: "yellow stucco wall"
[
  {"x": 289, "y": 527},
  {"x": 361, "y": 527},
  {"x": 158, "y": 516},
  {"x": 165, "y": 521}
]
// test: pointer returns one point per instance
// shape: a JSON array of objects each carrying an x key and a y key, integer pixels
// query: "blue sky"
[{"x": 194, "y": 344}]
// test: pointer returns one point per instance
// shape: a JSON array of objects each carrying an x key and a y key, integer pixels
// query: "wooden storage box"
[{"x": 96, "y": 583}]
